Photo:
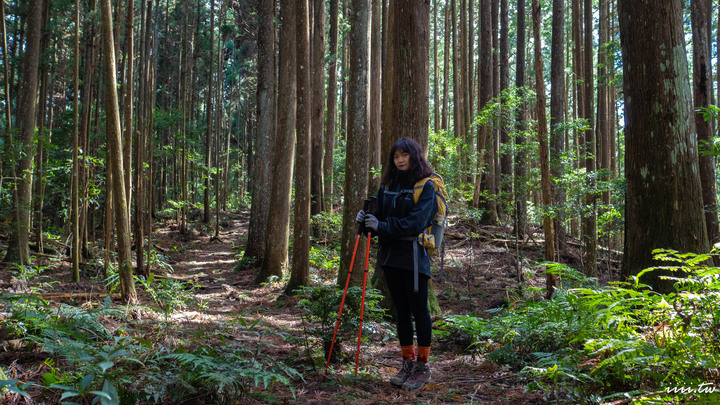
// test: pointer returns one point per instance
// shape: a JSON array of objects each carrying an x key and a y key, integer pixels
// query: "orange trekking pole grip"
[{"x": 361, "y": 229}]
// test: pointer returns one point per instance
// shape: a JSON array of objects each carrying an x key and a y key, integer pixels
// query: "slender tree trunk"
[
  {"x": 127, "y": 287},
  {"x": 446, "y": 68},
  {"x": 262, "y": 169},
  {"x": 557, "y": 113},
  {"x": 357, "y": 161},
  {"x": 277, "y": 235},
  {"x": 19, "y": 244},
  {"x": 74, "y": 215},
  {"x": 436, "y": 70},
  {"x": 129, "y": 97},
  {"x": 484, "y": 95},
  {"x": 300, "y": 274},
  {"x": 603, "y": 107},
  {"x": 702, "y": 88},
  {"x": 209, "y": 111},
  {"x": 551, "y": 282},
  {"x": 506, "y": 166},
  {"x": 331, "y": 118},
  {"x": 590, "y": 220},
  {"x": 6, "y": 81},
  {"x": 375, "y": 75},
  {"x": 520, "y": 116},
  {"x": 43, "y": 129},
  {"x": 318, "y": 106}
]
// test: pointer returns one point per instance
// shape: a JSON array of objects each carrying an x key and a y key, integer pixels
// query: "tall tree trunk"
[
  {"x": 521, "y": 193},
  {"x": 590, "y": 220},
  {"x": 318, "y": 106},
  {"x": 277, "y": 234},
  {"x": 506, "y": 166},
  {"x": 603, "y": 107},
  {"x": 702, "y": 88},
  {"x": 549, "y": 231},
  {"x": 129, "y": 97},
  {"x": 7, "y": 79},
  {"x": 357, "y": 161},
  {"x": 300, "y": 274},
  {"x": 446, "y": 67},
  {"x": 75, "y": 195},
  {"x": 436, "y": 69},
  {"x": 265, "y": 134},
  {"x": 557, "y": 113},
  {"x": 330, "y": 120},
  {"x": 127, "y": 288},
  {"x": 375, "y": 145},
  {"x": 663, "y": 207},
  {"x": 43, "y": 128},
  {"x": 484, "y": 95},
  {"x": 19, "y": 244},
  {"x": 209, "y": 111}
]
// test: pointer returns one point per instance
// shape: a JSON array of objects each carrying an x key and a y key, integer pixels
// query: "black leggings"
[{"x": 409, "y": 305}]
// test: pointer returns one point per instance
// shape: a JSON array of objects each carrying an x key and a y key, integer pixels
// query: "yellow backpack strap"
[{"x": 418, "y": 188}]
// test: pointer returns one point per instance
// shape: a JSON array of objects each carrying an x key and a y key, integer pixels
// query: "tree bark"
[
  {"x": 557, "y": 113},
  {"x": 520, "y": 115},
  {"x": 549, "y": 231},
  {"x": 265, "y": 134},
  {"x": 127, "y": 287},
  {"x": 331, "y": 118},
  {"x": 209, "y": 116},
  {"x": 18, "y": 246},
  {"x": 702, "y": 89},
  {"x": 277, "y": 234},
  {"x": 357, "y": 160},
  {"x": 590, "y": 155},
  {"x": 318, "y": 106},
  {"x": 484, "y": 95},
  {"x": 663, "y": 206},
  {"x": 375, "y": 145},
  {"x": 300, "y": 274},
  {"x": 75, "y": 195}
]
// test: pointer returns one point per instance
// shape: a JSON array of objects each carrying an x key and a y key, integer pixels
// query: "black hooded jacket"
[{"x": 401, "y": 220}]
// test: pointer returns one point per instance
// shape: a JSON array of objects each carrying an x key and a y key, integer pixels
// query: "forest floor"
[{"x": 479, "y": 273}]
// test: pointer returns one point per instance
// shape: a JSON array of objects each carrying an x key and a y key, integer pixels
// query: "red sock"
[
  {"x": 408, "y": 352},
  {"x": 423, "y": 354}
]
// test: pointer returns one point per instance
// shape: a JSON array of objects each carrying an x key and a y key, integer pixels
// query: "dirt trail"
[{"x": 476, "y": 275}]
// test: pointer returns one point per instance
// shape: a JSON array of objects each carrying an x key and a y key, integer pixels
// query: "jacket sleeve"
[{"x": 417, "y": 219}]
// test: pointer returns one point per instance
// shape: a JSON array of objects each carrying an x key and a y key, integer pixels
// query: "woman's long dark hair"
[{"x": 419, "y": 166}]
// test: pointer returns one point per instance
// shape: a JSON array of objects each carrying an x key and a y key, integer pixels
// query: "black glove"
[
  {"x": 360, "y": 218},
  {"x": 371, "y": 222}
]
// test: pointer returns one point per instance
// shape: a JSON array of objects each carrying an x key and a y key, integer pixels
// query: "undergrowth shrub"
[
  {"x": 592, "y": 344},
  {"x": 96, "y": 355},
  {"x": 319, "y": 306}
]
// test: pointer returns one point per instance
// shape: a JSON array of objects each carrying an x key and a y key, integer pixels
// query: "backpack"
[{"x": 432, "y": 238}]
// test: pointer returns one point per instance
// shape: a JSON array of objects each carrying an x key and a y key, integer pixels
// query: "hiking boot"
[
  {"x": 419, "y": 375},
  {"x": 403, "y": 374}
]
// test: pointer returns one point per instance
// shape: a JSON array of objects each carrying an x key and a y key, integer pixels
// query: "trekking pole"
[
  {"x": 362, "y": 301},
  {"x": 361, "y": 229}
]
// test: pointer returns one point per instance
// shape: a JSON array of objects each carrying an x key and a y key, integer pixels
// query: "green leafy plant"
[
  {"x": 605, "y": 342},
  {"x": 319, "y": 307}
]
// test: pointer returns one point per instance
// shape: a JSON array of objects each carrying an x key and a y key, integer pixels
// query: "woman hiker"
[{"x": 398, "y": 221}]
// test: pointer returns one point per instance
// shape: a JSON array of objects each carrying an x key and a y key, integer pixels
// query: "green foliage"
[
  {"x": 327, "y": 224},
  {"x": 319, "y": 308},
  {"x": 170, "y": 295},
  {"x": 102, "y": 363},
  {"x": 603, "y": 342},
  {"x": 326, "y": 261}
]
